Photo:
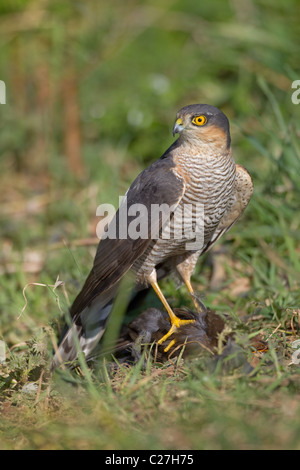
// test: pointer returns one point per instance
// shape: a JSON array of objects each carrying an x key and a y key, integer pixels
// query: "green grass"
[{"x": 132, "y": 66}]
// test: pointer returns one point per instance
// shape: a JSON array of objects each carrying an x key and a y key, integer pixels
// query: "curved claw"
[{"x": 175, "y": 324}]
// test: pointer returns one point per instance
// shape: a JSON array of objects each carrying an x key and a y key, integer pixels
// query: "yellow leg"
[
  {"x": 199, "y": 306},
  {"x": 175, "y": 321}
]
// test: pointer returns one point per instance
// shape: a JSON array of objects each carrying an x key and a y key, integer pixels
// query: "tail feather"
[{"x": 86, "y": 330}]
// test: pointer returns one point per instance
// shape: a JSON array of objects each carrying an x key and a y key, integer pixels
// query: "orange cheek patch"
[{"x": 213, "y": 133}]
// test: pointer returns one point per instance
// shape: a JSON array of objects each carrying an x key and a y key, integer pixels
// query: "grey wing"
[
  {"x": 158, "y": 184},
  {"x": 241, "y": 195}
]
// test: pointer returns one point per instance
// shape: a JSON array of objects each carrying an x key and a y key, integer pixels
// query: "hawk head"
[{"x": 204, "y": 123}]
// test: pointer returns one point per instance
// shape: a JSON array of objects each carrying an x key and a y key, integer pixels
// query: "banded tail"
[{"x": 86, "y": 330}]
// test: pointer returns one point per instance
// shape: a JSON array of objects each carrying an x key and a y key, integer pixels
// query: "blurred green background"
[
  {"x": 92, "y": 90},
  {"x": 87, "y": 79}
]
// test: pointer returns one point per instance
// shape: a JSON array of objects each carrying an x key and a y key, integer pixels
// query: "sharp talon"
[{"x": 176, "y": 323}]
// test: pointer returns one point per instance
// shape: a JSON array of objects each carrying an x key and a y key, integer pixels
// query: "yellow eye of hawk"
[{"x": 199, "y": 120}]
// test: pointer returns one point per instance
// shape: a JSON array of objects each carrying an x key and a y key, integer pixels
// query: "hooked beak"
[{"x": 178, "y": 127}]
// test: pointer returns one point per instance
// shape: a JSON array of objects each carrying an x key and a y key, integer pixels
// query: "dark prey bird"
[
  {"x": 197, "y": 185},
  {"x": 207, "y": 334},
  {"x": 194, "y": 338}
]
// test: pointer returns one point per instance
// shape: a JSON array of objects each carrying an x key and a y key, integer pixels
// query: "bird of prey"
[{"x": 198, "y": 170}]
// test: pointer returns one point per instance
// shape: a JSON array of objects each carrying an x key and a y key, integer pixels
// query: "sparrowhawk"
[{"x": 198, "y": 170}]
